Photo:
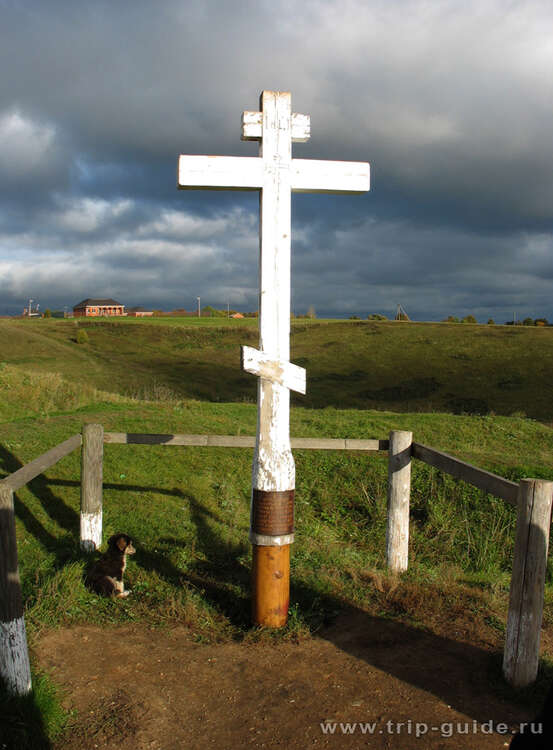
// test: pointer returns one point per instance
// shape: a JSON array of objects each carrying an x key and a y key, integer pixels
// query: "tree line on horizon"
[{"x": 211, "y": 312}]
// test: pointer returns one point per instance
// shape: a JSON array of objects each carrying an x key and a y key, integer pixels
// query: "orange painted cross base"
[{"x": 271, "y": 585}]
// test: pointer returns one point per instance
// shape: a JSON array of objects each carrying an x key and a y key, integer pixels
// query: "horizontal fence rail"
[
  {"x": 31, "y": 470},
  {"x": 485, "y": 480},
  {"x": 244, "y": 441}
]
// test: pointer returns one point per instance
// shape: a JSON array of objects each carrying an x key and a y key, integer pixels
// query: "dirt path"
[{"x": 138, "y": 689}]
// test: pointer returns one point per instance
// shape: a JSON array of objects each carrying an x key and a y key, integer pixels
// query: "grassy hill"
[
  {"x": 414, "y": 367},
  {"x": 188, "y": 509}
]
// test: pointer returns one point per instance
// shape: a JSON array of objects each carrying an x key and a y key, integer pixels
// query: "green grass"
[
  {"x": 188, "y": 508},
  {"x": 403, "y": 367},
  {"x": 31, "y": 722}
]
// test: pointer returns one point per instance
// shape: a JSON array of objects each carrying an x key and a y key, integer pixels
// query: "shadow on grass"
[
  {"x": 219, "y": 576},
  {"x": 65, "y": 548},
  {"x": 21, "y": 722}
]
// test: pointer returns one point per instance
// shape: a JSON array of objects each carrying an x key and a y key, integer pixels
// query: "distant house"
[
  {"x": 95, "y": 307},
  {"x": 139, "y": 312},
  {"x": 237, "y": 316}
]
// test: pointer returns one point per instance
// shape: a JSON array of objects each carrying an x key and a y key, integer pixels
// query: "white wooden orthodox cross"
[{"x": 276, "y": 175}]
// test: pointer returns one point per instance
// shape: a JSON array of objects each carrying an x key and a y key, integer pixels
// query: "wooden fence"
[
  {"x": 533, "y": 497},
  {"x": 14, "y": 655}
]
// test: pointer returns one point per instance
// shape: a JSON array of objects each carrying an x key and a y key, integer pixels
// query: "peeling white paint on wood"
[
  {"x": 252, "y": 127},
  {"x": 273, "y": 464},
  {"x": 276, "y": 175},
  {"x": 14, "y": 662},
  {"x": 205, "y": 172},
  {"x": 284, "y": 373},
  {"x": 92, "y": 457},
  {"x": 91, "y": 531},
  {"x": 315, "y": 176},
  {"x": 399, "y": 491},
  {"x": 263, "y": 540},
  {"x": 218, "y": 172}
]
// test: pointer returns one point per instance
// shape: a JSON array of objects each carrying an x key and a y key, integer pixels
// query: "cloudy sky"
[{"x": 451, "y": 101}]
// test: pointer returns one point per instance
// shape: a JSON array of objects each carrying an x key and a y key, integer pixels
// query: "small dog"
[{"x": 106, "y": 576}]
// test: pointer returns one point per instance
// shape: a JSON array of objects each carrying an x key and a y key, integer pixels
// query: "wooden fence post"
[
  {"x": 91, "y": 486},
  {"x": 522, "y": 641},
  {"x": 399, "y": 490},
  {"x": 14, "y": 655}
]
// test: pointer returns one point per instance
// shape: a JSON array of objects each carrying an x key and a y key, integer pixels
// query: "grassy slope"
[
  {"x": 188, "y": 508},
  {"x": 427, "y": 367}
]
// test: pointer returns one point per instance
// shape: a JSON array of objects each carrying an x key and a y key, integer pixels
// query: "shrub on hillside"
[
  {"x": 82, "y": 336},
  {"x": 451, "y": 319},
  {"x": 491, "y": 322},
  {"x": 469, "y": 319},
  {"x": 210, "y": 312},
  {"x": 376, "y": 316}
]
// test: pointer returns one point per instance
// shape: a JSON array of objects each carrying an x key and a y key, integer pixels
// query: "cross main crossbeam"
[{"x": 247, "y": 173}]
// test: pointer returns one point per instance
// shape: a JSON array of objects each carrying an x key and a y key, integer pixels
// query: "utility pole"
[{"x": 199, "y": 307}]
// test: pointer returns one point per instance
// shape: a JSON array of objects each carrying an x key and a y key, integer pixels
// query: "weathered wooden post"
[
  {"x": 14, "y": 655},
  {"x": 399, "y": 491},
  {"x": 522, "y": 640},
  {"x": 92, "y": 456},
  {"x": 275, "y": 174}
]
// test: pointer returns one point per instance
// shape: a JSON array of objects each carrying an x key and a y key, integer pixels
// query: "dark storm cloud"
[{"x": 449, "y": 101}]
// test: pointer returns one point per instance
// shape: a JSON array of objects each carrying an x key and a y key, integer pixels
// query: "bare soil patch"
[{"x": 135, "y": 688}]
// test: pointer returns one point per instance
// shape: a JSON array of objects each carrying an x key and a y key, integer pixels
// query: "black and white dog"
[{"x": 106, "y": 576}]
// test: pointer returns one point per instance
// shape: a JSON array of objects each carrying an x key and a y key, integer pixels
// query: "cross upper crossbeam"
[{"x": 252, "y": 127}]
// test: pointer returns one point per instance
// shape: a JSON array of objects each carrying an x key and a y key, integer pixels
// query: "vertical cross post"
[
  {"x": 276, "y": 175},
  {"x": 273, "y": 475}
]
